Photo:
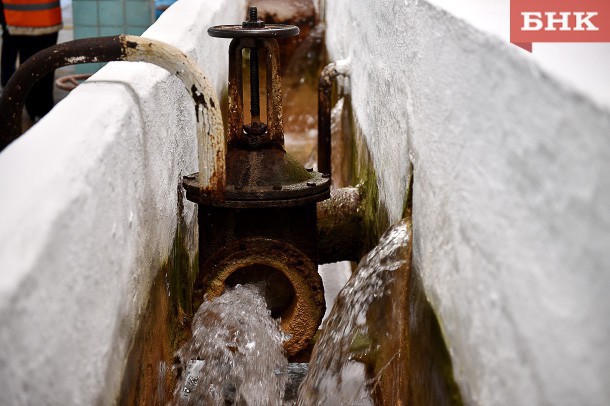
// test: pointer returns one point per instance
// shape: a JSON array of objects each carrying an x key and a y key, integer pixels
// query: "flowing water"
[
  {"x": 352, "y": 353},
  {"x": 235, "y": 356}
]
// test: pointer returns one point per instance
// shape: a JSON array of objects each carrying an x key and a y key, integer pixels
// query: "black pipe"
[
  {"x": 340, "y": 226},
  {"x": 104, "y": 49},
  {"x": 325, "y": 87}
]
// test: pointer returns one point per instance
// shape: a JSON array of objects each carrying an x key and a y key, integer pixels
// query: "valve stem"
[{"x": 255, "y": 109}]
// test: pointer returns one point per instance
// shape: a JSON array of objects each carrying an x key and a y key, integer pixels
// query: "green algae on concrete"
[
  {"x": 363, "y": 175},
  {"x": 431, "y": 371},
  {"x": 165, "y": 324}
]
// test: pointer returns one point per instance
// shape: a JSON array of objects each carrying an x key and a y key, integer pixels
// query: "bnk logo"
[{"x": 559, "y": 21}]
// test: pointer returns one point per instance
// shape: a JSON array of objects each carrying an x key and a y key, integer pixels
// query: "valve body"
[{"x": 264, "y": 231}]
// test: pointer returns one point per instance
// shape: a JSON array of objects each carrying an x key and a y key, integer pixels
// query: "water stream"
[
  {"x": 360, "y": 338},
  {"x": 235, "y": 355}
]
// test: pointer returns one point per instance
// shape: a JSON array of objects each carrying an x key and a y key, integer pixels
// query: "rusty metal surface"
[
  {"x": 303, "y": 313},
  {"x": 259, "y": 172},
  {"x": 255, "y": 108},
  {"x": 292, "y": 195},
  {"x": 88, "y": 50},
  {"x": 261, "y": 204},
  {"x": 220, "y": 226},
  {"x": 269, "y": 169},
  {"x": 265, "y": 230},
  {"x": 273, "y": 81},
  {"x": 211, "y": 143},
  {"x": 235, "y": 92},
  {"x": 272, "y": 195},
  {"x": 255, "y": 111},
  {"x": 273, "y": 84},
  {"x": 274, "y": 92},
  {"x": 340, "y": 226},
  {"x": 290, "y": 250},
  {"x": 327, "y": 77},
  {"x": 253, "y": 21}
]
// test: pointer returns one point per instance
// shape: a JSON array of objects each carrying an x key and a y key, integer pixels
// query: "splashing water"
[
  {"x": 235, "y": 356},
  {"x": 360, "y": 336}
]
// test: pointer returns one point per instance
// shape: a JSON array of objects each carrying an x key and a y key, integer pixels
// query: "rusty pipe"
[
  {"x": 340, "y": 226},
  {"x": 210, "y": 135},
  {"x": 248, "y": 259},
  {"x": 325, "y": 87}
]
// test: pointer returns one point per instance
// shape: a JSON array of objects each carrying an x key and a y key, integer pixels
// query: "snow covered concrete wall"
[
  {"x": 511, "y": 195},
  {"x": 88, "y": 212}
]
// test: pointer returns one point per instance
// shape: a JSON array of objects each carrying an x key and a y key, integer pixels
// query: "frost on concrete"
[
  {"x": 88, "y": 212},
  {"x": 510, "y": 204}
]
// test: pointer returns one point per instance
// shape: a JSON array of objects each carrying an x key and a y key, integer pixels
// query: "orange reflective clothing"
[{"x": 38, "y": 15}]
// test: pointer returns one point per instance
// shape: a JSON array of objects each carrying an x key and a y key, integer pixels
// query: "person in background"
[
  {"x": 33, "y": 25},
  {"x": 8, "y": 58}
]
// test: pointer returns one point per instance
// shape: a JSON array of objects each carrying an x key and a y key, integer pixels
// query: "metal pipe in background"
[
  {"x": 325, "y": 87},
  {"x": 341, "y": 226},
  {"x": 210, "y": 134}
]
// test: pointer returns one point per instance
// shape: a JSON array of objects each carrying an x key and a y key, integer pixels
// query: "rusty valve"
[{"x": 265, "y": 229}]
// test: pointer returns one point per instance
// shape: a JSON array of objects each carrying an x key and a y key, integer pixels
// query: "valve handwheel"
[{"x": 254, "y": 28}]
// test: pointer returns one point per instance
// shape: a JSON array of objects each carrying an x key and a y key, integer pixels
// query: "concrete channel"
[{"x": 499, "y": 165}]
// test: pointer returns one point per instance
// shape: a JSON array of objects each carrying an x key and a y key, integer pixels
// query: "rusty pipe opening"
[
  {"x": 294, "y": 288},
  {"x": 275, "y": 286}
]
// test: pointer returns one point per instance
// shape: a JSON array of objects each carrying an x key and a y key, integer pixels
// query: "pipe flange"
[
  {"x": 309, "y": 191},
  {"x": 303, "y": 315}
]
